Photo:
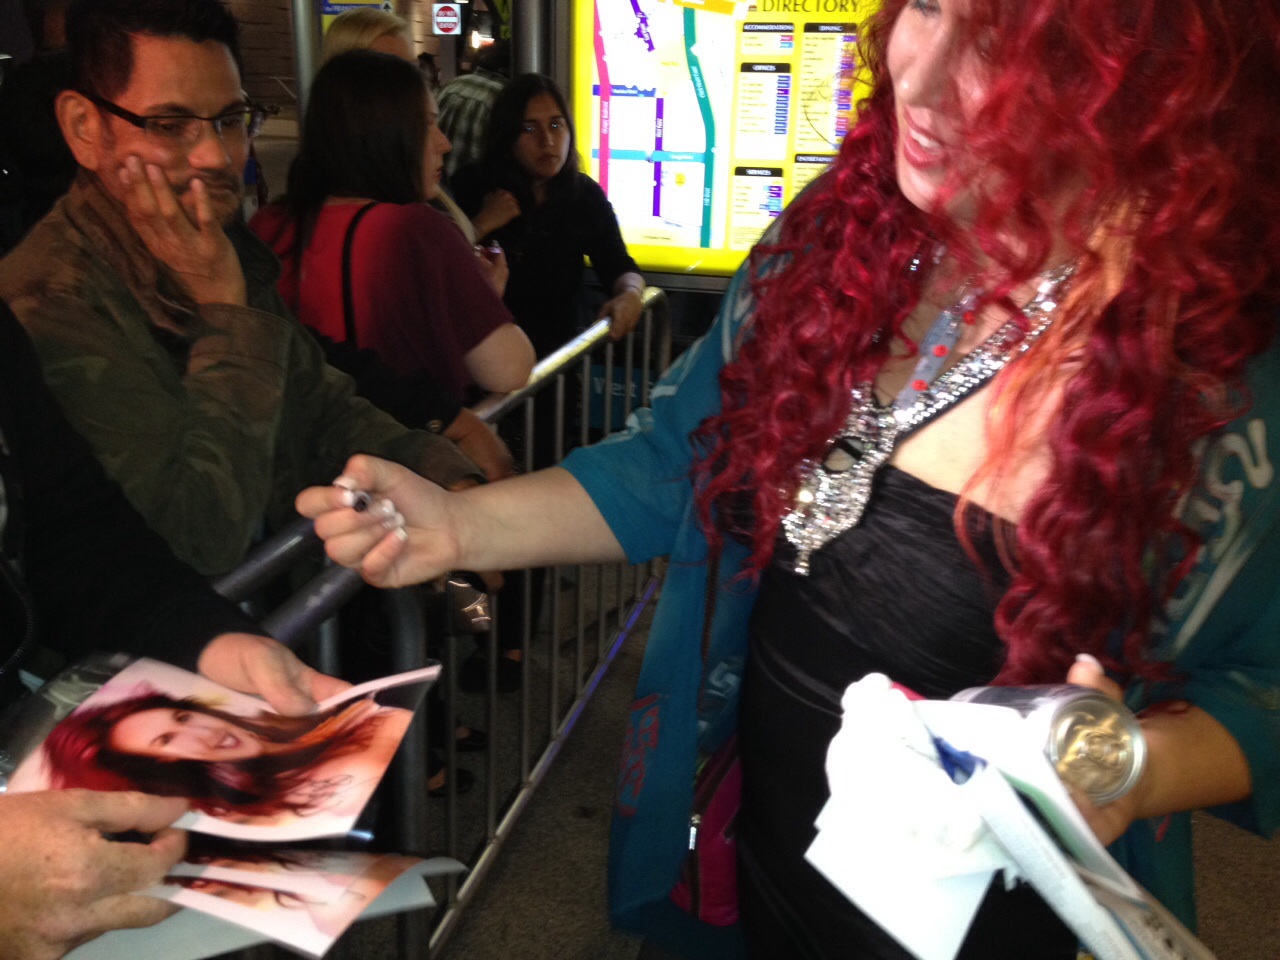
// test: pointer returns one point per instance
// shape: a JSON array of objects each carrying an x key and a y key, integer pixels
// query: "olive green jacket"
[{"x": 212, "y": 417}]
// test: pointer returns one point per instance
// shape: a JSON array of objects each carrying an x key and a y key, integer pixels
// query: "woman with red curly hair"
[{"x": 995, "y": 402}]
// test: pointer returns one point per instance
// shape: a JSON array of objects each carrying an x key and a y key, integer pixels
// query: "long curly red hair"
[{"x": 1164, "y": 115}]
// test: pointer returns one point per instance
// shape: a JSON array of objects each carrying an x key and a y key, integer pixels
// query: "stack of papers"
[
  {"x": 927, "y": 805},
  {"x": 227, "y": 916},
  {"x": 250, "y": 775}
]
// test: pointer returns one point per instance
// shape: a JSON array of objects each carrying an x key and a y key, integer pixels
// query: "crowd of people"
[{"x": 980, "y": 408}]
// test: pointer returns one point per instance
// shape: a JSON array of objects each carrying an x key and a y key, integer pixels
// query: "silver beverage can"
[{"x": 1094, "y": 741}]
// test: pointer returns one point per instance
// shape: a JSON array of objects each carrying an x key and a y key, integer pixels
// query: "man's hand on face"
[
  {"x": 192, "y": 245},
  {"x": 63, "y": 883}
]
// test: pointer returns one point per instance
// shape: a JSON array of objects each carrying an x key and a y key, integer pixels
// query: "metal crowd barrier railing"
[
  {"x": 608, "y": 600},
  {"x": 617, "y": 605}
]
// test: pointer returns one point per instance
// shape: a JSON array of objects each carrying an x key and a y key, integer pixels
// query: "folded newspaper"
[
  {"x": 249, "y": 774},
  {"x": 931, "y": 837}
]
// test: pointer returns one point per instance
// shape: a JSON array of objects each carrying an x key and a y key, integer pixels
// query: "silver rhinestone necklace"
[{"x": 834, "y": 491}]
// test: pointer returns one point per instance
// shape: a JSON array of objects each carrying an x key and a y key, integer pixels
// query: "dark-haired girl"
[
  {"x": 1001, "y": 390},
  {"x": 528, "y": 193}
]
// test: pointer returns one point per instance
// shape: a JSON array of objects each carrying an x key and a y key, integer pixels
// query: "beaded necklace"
[{"x": 835, "y": 490}]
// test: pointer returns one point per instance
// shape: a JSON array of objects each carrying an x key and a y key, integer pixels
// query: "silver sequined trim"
[{"x": 834, "y": 492}]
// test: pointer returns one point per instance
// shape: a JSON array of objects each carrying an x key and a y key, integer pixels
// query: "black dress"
[{"x": 898, "y": 595}]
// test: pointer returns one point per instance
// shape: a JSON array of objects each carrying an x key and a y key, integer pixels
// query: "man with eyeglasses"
[
  {"x": 154, "y": 311},
  {"x": 157, "y": 324}
]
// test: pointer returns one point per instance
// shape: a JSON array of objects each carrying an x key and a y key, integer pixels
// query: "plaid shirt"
[{"x": 464, "y": 110}]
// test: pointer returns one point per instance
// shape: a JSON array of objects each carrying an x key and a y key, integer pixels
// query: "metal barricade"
[
  {"x": 608, "y": 599},
  {"x": 563, "y": 664}
]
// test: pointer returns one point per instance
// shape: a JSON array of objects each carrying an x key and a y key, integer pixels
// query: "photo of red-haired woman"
[{"x": 247, "y": 771}]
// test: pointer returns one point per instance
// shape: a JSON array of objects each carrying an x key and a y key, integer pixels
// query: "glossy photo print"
[
  {"x": 301, "y": 900},
  {"x": 248, "y": 772}
]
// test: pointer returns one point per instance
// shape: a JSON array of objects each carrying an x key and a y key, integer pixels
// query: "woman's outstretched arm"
[{"x": 541, "y": 518}]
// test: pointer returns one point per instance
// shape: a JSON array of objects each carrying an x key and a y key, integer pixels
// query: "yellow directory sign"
[{"x": 701, "y": 120}]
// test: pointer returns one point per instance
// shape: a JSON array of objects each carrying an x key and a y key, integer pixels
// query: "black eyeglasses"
[{"x": 239, "y": 125}]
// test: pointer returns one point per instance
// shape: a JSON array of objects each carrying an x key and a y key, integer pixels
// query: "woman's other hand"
[
  {"x": 425, "y": 547},
  {"x": 1111, "y": 820},
  {"x": 265, "y": 667},
  {"x": 493, "y": 580},
  {"x": 485, "y": 448},
  {"x": 500, "y": 208},
  {"x": 1193, "y": 762},
  {"x": 493, "y": 264}
]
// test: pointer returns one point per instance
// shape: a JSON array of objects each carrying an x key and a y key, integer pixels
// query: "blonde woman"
[
  {"x": 377, "y": 30},
  {"x": 368, "y": 29}
]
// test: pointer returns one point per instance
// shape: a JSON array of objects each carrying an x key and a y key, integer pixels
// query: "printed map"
[{"x": 704, "y": 119}]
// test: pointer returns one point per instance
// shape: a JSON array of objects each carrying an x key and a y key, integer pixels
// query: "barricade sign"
[{"x": 617, "y": 405}]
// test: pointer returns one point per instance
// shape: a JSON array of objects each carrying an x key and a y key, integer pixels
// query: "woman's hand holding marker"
[{"x": 361, "y": 500}]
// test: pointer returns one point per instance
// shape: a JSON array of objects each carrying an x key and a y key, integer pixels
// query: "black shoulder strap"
[
  {"x": 348, "y": 308},
  {"x": 709, "y": 612}
]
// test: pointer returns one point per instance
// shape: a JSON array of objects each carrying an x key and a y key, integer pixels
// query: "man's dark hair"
[
  {"x": 99, "y": 35},
  {"x": 495, "y": 57}
]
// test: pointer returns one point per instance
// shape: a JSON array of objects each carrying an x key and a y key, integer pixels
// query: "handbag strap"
[
  {"x": 709, "y": 612},
  {"x": 348, "y": 305}
]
